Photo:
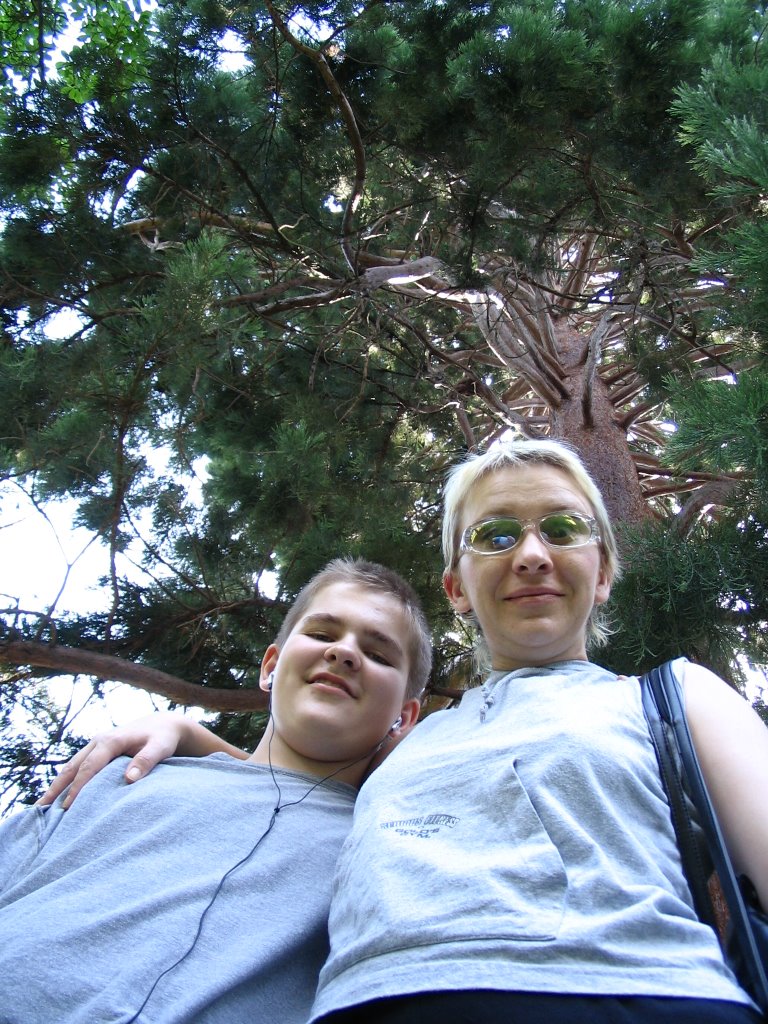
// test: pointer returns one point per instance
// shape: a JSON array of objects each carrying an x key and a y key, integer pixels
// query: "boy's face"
[{"x": 339, "y": 680}]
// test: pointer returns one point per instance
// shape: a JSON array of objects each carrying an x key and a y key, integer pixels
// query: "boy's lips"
[
  {"x": 533, "y": 592},
  {"x": 333, "y": 681}
]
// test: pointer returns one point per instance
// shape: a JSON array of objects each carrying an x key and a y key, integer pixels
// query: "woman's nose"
[{"x": 530, "y": 553}]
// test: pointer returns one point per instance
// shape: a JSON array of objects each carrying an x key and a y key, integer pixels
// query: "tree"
[{"x": 394, "y": 232}]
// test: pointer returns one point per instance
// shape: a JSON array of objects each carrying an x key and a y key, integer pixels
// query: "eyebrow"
[
  {"x": 551, "y": 510},
  {"x": 325, "y": 618}
]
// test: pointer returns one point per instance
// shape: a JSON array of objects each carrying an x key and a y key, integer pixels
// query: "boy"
[{"x": 204, "y": 896}]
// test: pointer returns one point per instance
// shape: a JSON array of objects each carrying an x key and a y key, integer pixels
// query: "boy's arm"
[
  {"x": 732, "y": 746},
  {"x": 21, "y": 837},
  {"x": 148, "y": 741}
]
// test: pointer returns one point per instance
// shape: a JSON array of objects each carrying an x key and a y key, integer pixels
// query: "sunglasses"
[{"x": 557, "y": 530}]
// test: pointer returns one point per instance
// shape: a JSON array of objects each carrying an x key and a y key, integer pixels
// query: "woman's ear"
[
  {"x": 603, "y": 585},
  {"x": 268, "y": 663},
  {"x": 455, "y": 592}
]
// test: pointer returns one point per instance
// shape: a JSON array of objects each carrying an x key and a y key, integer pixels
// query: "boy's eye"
[
  {"x": 323, "y": 636},
  {"x": 379, "y": 658}
]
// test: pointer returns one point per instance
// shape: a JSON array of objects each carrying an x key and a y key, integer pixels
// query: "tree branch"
[
  {"x": 72, "y": 661},
  {"x": 345, "y": 108}
]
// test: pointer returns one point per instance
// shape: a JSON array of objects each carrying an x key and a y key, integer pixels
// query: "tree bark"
[
  {"x": 587, "y": 419},
  {"x": 70, "y": 661}
]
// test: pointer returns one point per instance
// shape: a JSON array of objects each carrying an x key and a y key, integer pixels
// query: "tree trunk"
[{"x": 587, "y": 420}]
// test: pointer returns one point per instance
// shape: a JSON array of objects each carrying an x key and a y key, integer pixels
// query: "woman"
[
  {"x": 514, "y": 859},
  {"x": 519, "y": 849}
]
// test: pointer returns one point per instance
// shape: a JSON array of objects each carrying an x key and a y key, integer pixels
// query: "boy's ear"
[
  {"x": 409, "y": 713},
  {"x": 268, "y": 663},
  {"x": 455, "y": 592},
  {"x": 410, "y": 716}
]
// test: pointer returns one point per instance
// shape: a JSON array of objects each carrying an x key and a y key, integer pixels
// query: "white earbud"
[
  {"x": 397, "y": 724},
  {"x": 270, "y": 680}
]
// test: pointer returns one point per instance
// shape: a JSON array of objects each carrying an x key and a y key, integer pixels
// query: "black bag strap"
[
  {"x": 681, "y": 774},
  {"x": 694, "y": 853}
]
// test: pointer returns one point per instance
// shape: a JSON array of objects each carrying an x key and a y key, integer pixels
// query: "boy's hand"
[{"x": 149, "y": 740}]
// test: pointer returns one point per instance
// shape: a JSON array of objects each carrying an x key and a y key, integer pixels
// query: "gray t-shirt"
[
  {"x": 97, "y": 901},
  {"x": 520, "y": 842}
]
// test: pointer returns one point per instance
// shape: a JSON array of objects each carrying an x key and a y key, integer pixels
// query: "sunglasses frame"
[{"x": 465, "y": 546}]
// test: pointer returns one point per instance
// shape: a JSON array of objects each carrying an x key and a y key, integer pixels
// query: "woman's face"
[{"x": 533, "y": 602}]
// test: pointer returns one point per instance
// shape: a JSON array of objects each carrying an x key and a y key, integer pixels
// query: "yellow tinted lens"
[
  {"x": 496, "y": 535},
  {"x": 564, "y": 528}
]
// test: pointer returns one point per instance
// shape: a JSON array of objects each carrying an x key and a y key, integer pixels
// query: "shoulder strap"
[
  {"x": 697, "y": 866},
  {"x": 680, "y": 771}
]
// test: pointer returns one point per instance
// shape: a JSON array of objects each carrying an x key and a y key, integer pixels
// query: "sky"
[{"x": 38, "y": 557}]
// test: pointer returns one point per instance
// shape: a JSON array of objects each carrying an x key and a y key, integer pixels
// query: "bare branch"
[
  {"x": 593, "y": 358},
  {"x": 71, "y": 661},
  {"x": 358, "y": 185},
  {"x": 717, "y": 492}
]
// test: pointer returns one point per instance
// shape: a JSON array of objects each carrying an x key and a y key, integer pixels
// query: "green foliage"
[
  {"x": 26, "y": 33},
  {"x": 724, "y": 119},
  {"x": 230, "y": 406},
  {"x": 106, "y": 38},
  {"x": 29, "y": 760},
  {"x": 722, "y": 427},
  {"x": 676, "y": 586},
  {"x": 761, "y": 708}
]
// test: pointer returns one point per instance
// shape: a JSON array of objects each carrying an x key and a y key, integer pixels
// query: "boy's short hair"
[
  {"x": 463, "y": 477},
  {"x": 379, "y": 579}
]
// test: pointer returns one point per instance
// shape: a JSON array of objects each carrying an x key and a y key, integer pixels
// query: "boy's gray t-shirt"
[{"x": 97, "y": 901}]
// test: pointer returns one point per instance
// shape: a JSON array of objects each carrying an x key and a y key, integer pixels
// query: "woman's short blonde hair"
[{"x": 510, "y": 454}]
